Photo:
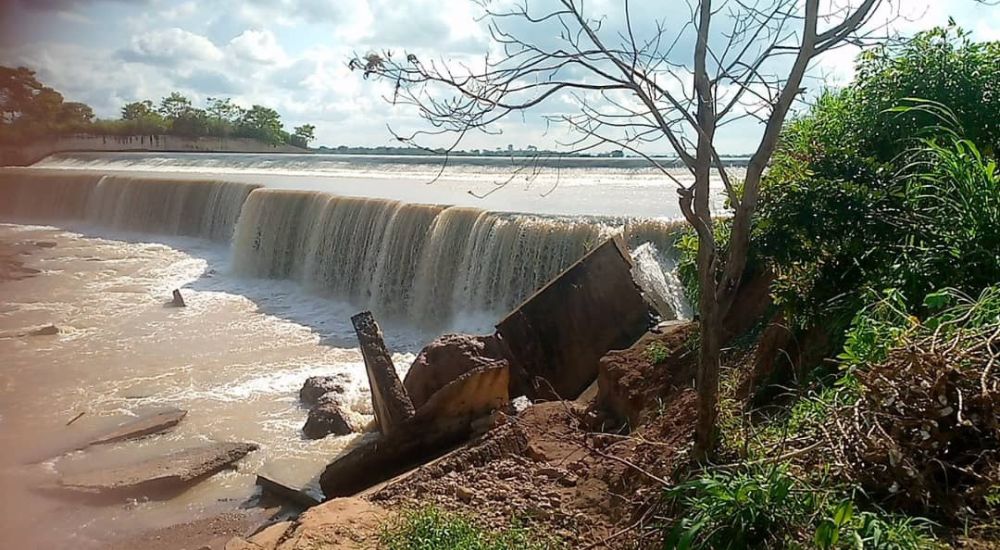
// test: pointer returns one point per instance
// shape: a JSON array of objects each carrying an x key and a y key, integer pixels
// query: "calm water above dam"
[{"x": 273, "y": 256}]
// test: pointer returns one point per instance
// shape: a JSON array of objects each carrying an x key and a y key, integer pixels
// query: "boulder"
[
  {"x": 169, "y": 472},
  {"x": 389, "y": 399},
  {"x": 447, "y": 358},
  {"x": 328, "y": 417},
  {"x": 318, "y": 386},
  {"x": 178, "y": 300}
]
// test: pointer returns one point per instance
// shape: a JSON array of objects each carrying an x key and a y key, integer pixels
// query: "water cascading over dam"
[
  {"x": 421, "y": 263},
  {"x": 205, "y": 209}
]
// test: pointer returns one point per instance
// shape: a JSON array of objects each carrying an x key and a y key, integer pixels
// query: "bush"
[
  {"x": 767, "y": 507},
  {"x": 852, "y": 200},
  {"x": 432, "y": 529},
  {"x": 925, "y": 430}
]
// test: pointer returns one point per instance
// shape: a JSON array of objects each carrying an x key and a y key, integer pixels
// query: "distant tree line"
[{"x": 30, "y": 110}]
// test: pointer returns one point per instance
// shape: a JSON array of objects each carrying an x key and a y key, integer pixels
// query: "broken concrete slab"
[
  {"x": 448, "y": 418},
  {"x": 287, "y": 491},
  {"x": 471, "y": 395},
  {"x": 171, "y": 471},
  {"x": 389, "y": 399},
  {"x": 556, "y": 337},
  {"x": 141, "y": 426}
]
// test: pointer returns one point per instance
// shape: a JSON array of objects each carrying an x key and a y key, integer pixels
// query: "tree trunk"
[{"x": 707, "y": 380}]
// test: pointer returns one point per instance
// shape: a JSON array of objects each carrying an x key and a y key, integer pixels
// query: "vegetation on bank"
[
  {"x": 30, "y": 110},
  {"x": 879, "y": 220},
  {"x": 433, "y": 529}
]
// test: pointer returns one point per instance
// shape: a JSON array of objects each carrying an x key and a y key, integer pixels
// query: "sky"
[{"x": 292, "y": 55}]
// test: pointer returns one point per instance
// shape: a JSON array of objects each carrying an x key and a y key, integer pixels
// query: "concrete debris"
[
  {"x": 389, "y": 399},
  {"x": 169, "y": 472},
  {"x": 557, "y": 336}
]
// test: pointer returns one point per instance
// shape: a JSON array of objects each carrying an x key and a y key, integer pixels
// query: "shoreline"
[{"x": 30, "y": 153}]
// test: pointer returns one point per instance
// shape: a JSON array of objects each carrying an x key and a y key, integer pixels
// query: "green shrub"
[
  {"x": 433, "y": 529},
  {"x": 766, "y": 507},
  {"x": 853, "y": 200}
]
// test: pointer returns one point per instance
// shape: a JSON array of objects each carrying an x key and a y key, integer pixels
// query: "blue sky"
[{"x": 292, "y": 54}]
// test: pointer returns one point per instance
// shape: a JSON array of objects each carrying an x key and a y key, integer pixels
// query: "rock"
[
  {"x": 317, "y": 386},
  {"x": 141, "y": 426},
  {"x": 287, "y": 491},
  {"x": 45, "y": 244},
  {"x": 447, "y": 358},
  {"x": 272, "y": 535},
  {"x": 556, "y": 338},
  {"x": 343, "y": 523},
  {"x": 464, "y": 494},
  {"x": 239, "y": 543},
  {"x": 47, "y": 330},
  {"x": 327, "y": 417},
  {"x": 178, "y": 300},
  {"x": 168, "y": 472},
  {"x": 390, "y": 401}
]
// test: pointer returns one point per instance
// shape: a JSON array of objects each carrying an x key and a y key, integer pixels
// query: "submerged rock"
[
  {"x": 318, "y": 386},
  {"x": 167, "y": 472},
  {"x": 47, "y": 330},
  {"x": 447, "y": 358},
  {"x": 141, "y": 426},
  {"x": 327, "y": 417}
]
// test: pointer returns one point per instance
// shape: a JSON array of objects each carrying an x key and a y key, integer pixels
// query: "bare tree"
[{"x": 674, "y": 80}]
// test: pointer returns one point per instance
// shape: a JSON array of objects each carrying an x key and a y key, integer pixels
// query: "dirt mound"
[{"x": 546, "y": 467}]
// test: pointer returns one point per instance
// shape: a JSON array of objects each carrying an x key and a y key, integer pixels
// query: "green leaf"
[
  {"x": 827, "y": 534},
  {"x": 843, "y": 513}
]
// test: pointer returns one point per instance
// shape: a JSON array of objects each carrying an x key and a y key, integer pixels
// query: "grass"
[
  {"x": 766, "y": 506},
  {"x": 431, "y": 528}
]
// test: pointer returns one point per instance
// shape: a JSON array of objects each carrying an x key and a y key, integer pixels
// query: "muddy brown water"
[{"x": 235, "y": 358}]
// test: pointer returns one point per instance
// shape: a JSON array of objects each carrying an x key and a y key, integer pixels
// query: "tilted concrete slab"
[{"x": 556, "y": 338}]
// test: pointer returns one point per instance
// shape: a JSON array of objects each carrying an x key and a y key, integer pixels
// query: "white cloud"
[
  {"x": 258, "y": 46},
  {"x": 171, "y": 47}
]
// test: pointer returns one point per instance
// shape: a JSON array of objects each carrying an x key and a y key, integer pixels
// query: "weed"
[{"x": 430, "y": 528}]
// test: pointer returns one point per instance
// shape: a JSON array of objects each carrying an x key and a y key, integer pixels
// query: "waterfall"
[
  {"x": 207, "y": 209},
  {"x": 425, "y": 264},
  {"x": 195, "y": 208}
]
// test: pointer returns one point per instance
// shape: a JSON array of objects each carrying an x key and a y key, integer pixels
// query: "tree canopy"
[{"x": 30, "y": 110}]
